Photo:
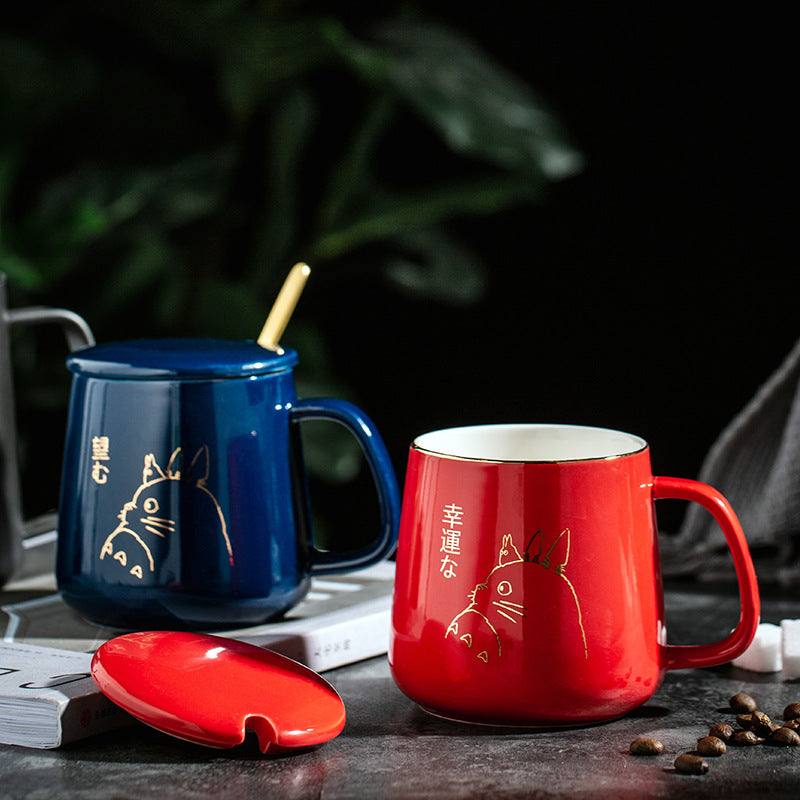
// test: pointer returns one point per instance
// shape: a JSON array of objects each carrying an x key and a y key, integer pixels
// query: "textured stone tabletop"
[{"x": 391, "y": 749}]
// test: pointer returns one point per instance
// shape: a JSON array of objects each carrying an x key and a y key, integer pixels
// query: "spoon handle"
[{"x": 284, "y": 306}]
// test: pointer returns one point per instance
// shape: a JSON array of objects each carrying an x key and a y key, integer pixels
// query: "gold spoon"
[{"x": 284, "y": 306}]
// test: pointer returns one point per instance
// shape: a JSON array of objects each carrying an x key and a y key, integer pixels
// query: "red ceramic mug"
[{"x": 528, "y": 588}]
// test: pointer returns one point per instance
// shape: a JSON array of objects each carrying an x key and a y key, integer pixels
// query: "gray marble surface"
[{"x": 392, "y": 749}]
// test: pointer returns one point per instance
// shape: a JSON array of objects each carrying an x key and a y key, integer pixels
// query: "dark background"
[{"x": 654, "y": 291}]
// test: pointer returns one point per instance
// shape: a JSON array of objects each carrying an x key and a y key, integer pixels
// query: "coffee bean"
[
  {"x": 711, "y": 746},
  {"x": 745, "y": 739},
  {"x": 722, "y": 731},
  {"x": 762, "y": 724},
  {"x": 690, "y": 764},
  {"x": 792, "y": 711},
  {"x": 794, "y": 724},
  {"x": 644, "y": 746},
  {"x": 742, "y": 703},
  {"x": 745, "y": 721},
  {"x": 783, "y": 737}
]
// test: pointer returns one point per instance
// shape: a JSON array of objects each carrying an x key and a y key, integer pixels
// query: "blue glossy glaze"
[
  {"x": 183, "y": 493},
  {"x": 141, "y": 359}
]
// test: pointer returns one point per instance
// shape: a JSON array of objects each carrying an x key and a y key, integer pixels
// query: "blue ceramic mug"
[{"x": 183, "y": 498}]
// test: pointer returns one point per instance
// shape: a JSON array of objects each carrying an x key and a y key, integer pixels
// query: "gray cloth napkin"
[{"x": 755, "y": 463}]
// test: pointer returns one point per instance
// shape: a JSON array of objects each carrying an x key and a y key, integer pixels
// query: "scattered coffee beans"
[
  {"x": 644, "y": 746},
  {"x": 742, "y": 703},
  {"x": 722, "y": 731},
  {"x": 783, "y": 737},
  {"x": 690, "y": 764},
  {"x": 711, "y": 746},
  {"x": 792, "y": 711},
  {"x": 755, "y": 727}
]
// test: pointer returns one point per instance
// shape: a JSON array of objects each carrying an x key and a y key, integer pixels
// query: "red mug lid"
[{"x": 210, "y": 690}]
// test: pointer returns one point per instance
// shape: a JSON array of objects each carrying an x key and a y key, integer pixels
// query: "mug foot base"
[
  {"x": 174, "y": 611},
  {"x": 522, "y": 725}
]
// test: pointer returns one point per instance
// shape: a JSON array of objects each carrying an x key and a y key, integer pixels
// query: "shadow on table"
[{"x": 376, "y": 707}]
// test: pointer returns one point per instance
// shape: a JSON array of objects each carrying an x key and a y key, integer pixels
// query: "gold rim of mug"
[{"x": 440, "y": 454}]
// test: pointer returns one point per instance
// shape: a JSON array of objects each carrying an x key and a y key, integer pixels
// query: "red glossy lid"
[{"x": 210, "y": 690}]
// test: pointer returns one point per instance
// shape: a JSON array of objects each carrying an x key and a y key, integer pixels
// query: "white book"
[
  {"x": 343, "y": 619},
  {"x": 47, "y": 697}
]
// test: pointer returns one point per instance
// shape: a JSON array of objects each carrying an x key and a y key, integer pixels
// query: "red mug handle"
[{"x": 733, "y": 645}]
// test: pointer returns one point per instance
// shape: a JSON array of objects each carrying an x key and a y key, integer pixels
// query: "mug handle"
[
  {"x": 355, "y": 420},
  {"x": 733, "y": 645}
]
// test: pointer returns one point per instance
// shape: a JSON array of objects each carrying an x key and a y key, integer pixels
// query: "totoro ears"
[
  {"x": 556, "y": 555},
  {"x": 151, "y": 471},
  {"x": 508, "y": 553},
  {"x": 196, "y": 472}
]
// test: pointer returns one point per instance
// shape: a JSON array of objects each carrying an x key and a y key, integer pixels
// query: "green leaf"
[
  {"x": 129, "y": 211},
  {"x": 138, "y": 271},
  {"x": 436, "y": 266},
  {"x": 21, "y": 271},
  {"x": 191, "y": 188},
  {"x": 277, "y": 223},
  {"x": 251, "y": 47},
  {"x": 479, "y": 108},
  {"x": 256, "y": 53},
  {"x": 420, "y": 210},
  {"x": 353, "y": 172},
  {"x": 182, "y": 192}
]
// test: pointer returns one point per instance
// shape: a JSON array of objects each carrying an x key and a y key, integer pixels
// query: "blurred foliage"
[{"x": 164, "y": 162}]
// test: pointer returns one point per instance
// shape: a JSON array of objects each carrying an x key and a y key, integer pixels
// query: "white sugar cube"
[
  {"x": 764, "y": 652},
  {"x": 791, "y": 648}
]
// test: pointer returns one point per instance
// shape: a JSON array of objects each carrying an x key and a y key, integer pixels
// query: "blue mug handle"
[{"x": 382, "y": 470}]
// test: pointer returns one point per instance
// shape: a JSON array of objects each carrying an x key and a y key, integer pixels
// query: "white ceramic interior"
[{"x": 529, "y": 443}]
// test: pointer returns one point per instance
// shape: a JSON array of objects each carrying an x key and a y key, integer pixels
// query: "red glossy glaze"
[
  {"x": 210, "y": 690},
  {"x": 530, "y": 593}
]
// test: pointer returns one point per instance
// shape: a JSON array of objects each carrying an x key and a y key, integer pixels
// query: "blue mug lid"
[{"x": 151, "y": 359}]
